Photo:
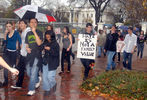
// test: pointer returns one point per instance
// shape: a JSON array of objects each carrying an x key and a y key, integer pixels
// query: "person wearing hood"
[{"x": 50, "y": 62}]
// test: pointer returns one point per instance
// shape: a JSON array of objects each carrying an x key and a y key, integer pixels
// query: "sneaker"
[
  {"x": 30, "y": 93},
  {"x": 68, "y": 71},
  {"x": 16, "y": 87},
  {"x": 61, "y": 73},
  {"x": 98, "y": 56},
  {"x": 124, "y": 68},
  {"x": 38, "y": 84}
]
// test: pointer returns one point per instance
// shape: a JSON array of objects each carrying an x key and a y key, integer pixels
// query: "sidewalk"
[{"x": 68, "y": 85}]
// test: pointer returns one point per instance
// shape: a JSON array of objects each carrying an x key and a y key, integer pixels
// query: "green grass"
[{"x": 123, "y": 84}]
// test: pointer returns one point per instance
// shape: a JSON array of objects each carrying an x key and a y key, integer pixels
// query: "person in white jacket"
[{"x": 23, "y": 53}]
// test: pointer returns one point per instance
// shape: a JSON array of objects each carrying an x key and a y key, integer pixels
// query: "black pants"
[
  {"x": 72, "y": 54},
  {"x": 86, "y": 63},
  {"x": 21, "y": 67},
  {"x": 10, "y": 58},
  {"x": 65, "y": 55},
  {"x": 118, "y": 56},
  {"x": 140, "y": 50}
]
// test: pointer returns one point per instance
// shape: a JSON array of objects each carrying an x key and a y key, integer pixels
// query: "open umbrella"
[
  {"x": 32, "y": 11},
  {"x": 123, "y": 27}
]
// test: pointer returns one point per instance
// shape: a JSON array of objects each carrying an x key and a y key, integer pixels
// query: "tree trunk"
[{"x": 97, "y": 16}]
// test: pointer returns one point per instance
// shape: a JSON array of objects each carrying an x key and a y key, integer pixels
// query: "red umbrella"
[{"x": 31, "y": 11}]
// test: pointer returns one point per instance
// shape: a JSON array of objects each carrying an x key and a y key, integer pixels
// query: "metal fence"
[
  {"x": 75, "y": 28},
  {"x": 42, "y": 26}
]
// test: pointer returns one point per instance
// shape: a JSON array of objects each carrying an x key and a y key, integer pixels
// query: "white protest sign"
[
  {"x": 87, "y": 46},
  {"x": 57, "y": 30}
]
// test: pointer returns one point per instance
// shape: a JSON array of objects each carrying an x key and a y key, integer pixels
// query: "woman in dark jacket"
[
  {"x": 50, "y": 61},
  {"x": 140, "y": 40}
]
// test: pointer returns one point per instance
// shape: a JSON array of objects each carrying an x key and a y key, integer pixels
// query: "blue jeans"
[
  {"x": 110, "y": 61},
  {"x": 127, "y": 57},
  {"x": 100, "y": 50},
  {"x": 48, "y": 78},
  {"x": 32, "y": 72}
]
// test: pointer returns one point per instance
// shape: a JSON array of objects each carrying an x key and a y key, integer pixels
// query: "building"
[{"x": 84, "y": 15}]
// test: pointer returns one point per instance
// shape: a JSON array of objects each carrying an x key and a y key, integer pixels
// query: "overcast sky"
[
  {"x": 38, "y": 2},
  {"x": 50, "y": 1}
]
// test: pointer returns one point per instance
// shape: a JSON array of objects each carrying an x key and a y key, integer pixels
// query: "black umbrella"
[{"x": 31, "y": 11}]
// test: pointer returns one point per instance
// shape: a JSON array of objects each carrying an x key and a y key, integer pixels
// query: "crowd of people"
[
  {"x": 117, "y": 43},
  {"x": 27, "y": 48}
]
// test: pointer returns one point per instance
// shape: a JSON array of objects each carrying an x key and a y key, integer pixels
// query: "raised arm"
[
  {"x": 5, "y": 65},
  {"x": 37, "y": 38}
]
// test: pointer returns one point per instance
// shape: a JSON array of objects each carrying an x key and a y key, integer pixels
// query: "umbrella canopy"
[
  {"x": 31, "y": 11},
  {"x": 123, "y": 27}
]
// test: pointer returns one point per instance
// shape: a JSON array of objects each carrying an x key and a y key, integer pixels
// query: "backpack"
[{"x": 73, "y": 39}]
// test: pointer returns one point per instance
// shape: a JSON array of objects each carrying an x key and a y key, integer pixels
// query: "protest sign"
[
  {"x": 57, "y": 30},
  {"x": 87, "y": 46}
]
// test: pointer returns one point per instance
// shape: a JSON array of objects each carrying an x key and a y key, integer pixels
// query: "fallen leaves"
[{"x": 116, "y": 85}]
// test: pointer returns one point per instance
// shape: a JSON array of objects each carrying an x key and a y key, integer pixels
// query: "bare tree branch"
[{"x": 106, "y": 3}]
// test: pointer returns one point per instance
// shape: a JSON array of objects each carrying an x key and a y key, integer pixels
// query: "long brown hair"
[{"x": 51, "y": 27}]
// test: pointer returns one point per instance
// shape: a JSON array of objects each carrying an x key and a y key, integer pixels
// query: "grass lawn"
[{"x": 117, "y": 85}]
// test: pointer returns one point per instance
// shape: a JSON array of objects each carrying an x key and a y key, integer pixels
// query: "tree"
[
  {"x": 14, "y": 4},
  {"x": 135, "y": 11},
  {"x": 61, "y": 14},
  {"x": 98, "y": 5},
  {"x": 116, "y": 10}
]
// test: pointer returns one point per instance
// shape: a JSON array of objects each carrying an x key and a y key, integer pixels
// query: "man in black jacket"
[
  {"x": 110, "y": 48},
  {"x": 86, "y": 62}
]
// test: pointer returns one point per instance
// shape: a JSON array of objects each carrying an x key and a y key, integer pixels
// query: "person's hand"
[
  {"x": 104, "y": 51},
  {"x": 47, "y": 48},
  {"x": 68, "y": 49},
  {"x": 132, "y": 51},
  {"x": 6, "y": 32},
  {"x": 33, "y": 29},
  {"x": 28, "y": 50},
  {"x": 14, "y": 71}
]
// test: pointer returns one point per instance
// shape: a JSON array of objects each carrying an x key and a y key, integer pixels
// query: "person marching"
[
  {"x": 50, "y": 62},
  {"x": 10, "y": 53},
  {"x": 23, "y": 53}
]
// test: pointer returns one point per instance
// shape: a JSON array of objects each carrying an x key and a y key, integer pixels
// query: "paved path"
[{"x": 68, "y": 84}]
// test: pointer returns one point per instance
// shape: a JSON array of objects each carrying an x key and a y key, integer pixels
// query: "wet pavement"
[{"x": 68, "y": 84}]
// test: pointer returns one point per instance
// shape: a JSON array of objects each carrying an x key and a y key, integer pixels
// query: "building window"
[
  {"x": 87, "y": 15},
  {"x": 91, "y": 15},
  {"x": 83, "y": 15}
]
